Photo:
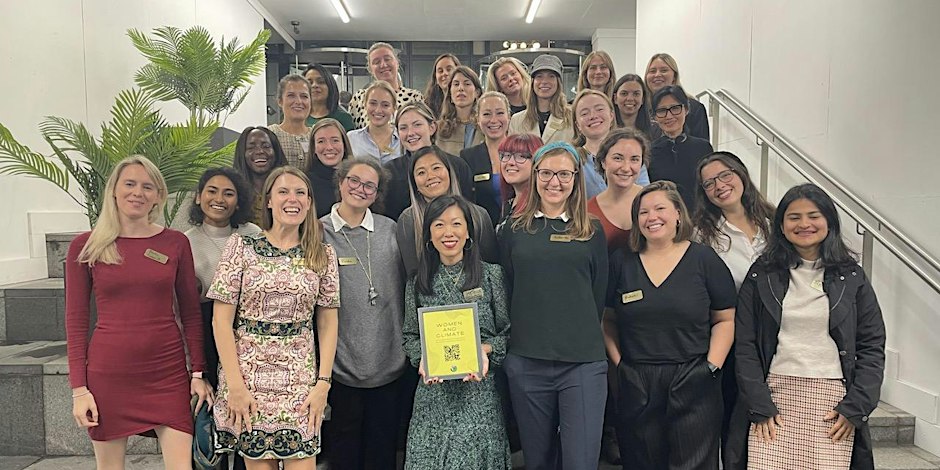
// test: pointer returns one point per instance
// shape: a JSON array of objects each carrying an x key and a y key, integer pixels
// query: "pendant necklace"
[{"x": 372, "y": 293}]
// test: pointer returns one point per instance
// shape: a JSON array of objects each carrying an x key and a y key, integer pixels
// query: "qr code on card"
[{"x": 452, "y": 352}]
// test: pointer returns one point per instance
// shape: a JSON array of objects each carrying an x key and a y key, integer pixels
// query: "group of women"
[{"x": 309, "y": 262}]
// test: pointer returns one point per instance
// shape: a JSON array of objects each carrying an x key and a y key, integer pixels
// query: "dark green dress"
[{"x": 455, "y": 424}]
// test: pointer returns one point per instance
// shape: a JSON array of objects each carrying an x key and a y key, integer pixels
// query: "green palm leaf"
[{"x": 18, "y": 159}]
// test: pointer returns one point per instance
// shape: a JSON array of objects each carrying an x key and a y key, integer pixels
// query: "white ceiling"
[{"x": 451, "y": 20}]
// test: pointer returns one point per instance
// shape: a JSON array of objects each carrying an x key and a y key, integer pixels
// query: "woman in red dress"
[{"x": 131, "y": 378}]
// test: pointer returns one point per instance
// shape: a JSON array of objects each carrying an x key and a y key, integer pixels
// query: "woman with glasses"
[
  {"x": 293, "y": 97},
  {"x": 484, "y": 159},
  {"x": 662, "y": 71},
  {"x": 431, "y": 176},
  {"x": 383, "y": 65},
  {"x": 631, "y": 102},
  {"x": 676, "y": 155},
  {"x": 378, "y": 138},
  {"x": 515, "y": 171},
  {"x": 457, "y": 128},
  {"x": 555, "y": 257},
  {"x": 509, "y": 76},
  {"x": 257, "y": 154},
  {"x": 733, "y": 218},
  {"x": 369, "y": 370},
  {"x": 329, "y": 146},
  {"x": 669, "y": 324},
  {"x": 810, "y": 346},
  {"x": 324, "y": 97},
  {"x": 597, "y": 73},
  {"x": 438, "y": 82},
  {"x": 417, "y": 128},
  {"x": 457, "y": 423},
  {"x": 547, "y": 114}
]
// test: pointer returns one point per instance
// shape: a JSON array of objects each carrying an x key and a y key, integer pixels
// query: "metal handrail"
[{"x": 871, "y": 221}]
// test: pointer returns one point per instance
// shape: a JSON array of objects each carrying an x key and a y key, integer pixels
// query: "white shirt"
[
  {"x": 368, "y": 222},
  {"x": 563, "y": 216},
  {"x": 740, "y": 253}
]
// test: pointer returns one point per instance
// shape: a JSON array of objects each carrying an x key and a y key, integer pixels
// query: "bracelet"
[
  {"x": 86, "y": 392},
  {"x": 197, "y": 375},
  {"x": 328, "y": 380}
]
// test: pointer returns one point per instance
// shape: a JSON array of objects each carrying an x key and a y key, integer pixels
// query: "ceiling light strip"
[
  {"x": 343, "y": 14},
  {"x": 533, "y": 9}
]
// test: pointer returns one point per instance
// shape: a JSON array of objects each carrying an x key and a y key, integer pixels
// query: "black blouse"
[
  {"x": 484, "y": 182},
  {"x": 323, "y": 187}
]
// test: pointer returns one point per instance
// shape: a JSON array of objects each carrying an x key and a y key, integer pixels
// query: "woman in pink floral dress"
[{"x": 275, "y": 370}]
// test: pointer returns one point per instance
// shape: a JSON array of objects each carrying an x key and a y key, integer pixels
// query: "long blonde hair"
[
  {"x": 100, "y": 245},
  {"x": 558, "y": 106},
  {"x": 579, "y": 139},
  {"x": 579, "y": 226},
  {"x": 311, "y": 232},
  {"x": 582, "y": 76},
  {"x": 492, "y": 82}
]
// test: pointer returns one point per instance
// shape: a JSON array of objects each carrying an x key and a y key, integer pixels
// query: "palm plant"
[
  {"x": 184, "y": 66},
  {"x": 187, "y": 66}
]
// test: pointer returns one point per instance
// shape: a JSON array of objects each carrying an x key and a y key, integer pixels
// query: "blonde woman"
[
  {"x": 378, "y": 138},
  {"x": 274, "y": 383},
  {"x": 555, "y": 257},
  {"x": 662, "y": 71},
  {"x": 547, "y": 114},
  {"x": 383, "y": 65},
  {"x": 509, "y": 76},
  {"x": 484, "y": 159},
  {"x": 131, "y": 377},
  {"x": 597, "y": 73},
  {"x": 457, "y": 128},
  {"x": 293, "y": 97}
]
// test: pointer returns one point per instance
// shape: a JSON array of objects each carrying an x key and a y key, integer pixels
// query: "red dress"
[
  {"x": 135, "y": 363},
  {"x": 616, "y": 236}
]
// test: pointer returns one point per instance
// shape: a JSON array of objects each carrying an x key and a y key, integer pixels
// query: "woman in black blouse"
[
  {"x": 329, "y": 146},
  {"x": 669, "y": 323},
  {"x": 555, "y": 258},
  {"x": 484, "y": 159}
]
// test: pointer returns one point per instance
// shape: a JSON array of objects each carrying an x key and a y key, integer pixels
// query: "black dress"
[{"x": 485, "y": 182}]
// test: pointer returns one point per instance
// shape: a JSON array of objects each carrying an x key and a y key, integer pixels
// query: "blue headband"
[{"x": 555, "y": 146}]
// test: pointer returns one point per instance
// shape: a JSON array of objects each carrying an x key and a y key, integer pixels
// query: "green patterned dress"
[{"x": 456, "y": 424}]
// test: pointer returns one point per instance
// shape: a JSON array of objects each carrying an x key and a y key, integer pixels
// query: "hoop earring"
[{"x": 468, "y": 245}]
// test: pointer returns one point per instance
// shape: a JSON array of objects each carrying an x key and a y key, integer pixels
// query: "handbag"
[{"x": 204, "y": 456}]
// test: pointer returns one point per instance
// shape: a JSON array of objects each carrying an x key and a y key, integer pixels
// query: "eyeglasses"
[
  {"x": 355, "y": 182},
  {"x": 674, "y": 110},
  {"x": 519, "y": 158},
  {"x": 564, "y": 176},
  {"x": 724, "y": 177}
]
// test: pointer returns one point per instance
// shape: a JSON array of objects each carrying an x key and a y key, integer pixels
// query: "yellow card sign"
[{"x": 450, "y": 340}]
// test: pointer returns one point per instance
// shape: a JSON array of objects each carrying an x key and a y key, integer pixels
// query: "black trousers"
[
  {"x": 211, "y": 374},
  {"x": 365, "y": 425},
  {"x": 670, "y": 416}
]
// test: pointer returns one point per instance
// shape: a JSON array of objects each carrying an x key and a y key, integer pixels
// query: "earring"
[{"x": 469, "y": 244}]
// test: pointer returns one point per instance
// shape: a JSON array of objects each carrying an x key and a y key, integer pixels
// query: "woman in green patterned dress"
[{"x": 457, "y": 424}]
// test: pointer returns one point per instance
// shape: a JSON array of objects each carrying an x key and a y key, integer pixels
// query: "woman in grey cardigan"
[{"x": 369, "y": 370}]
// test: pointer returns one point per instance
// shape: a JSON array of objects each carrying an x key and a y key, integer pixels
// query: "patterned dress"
[
  {"x": 275, "y": 297},
  {"x": 458, "y": 425}
]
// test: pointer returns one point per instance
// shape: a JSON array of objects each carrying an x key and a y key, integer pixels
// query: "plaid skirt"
[{"x": 803, "y": 441}]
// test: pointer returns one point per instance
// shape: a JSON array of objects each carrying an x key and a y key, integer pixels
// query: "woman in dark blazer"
[
  {"x": 484, "y": 159},
  {"x": 784, "y": 371}
]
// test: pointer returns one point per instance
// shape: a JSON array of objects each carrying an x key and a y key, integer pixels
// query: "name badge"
[
  {"x": 473, "y": 294},
  {"x": 481, "y": 177},
  {"x": 347, "y": 261},
  {"x": 558, "y": 237},
  {"x": 817, "y": 284},
  {"x": 632, "y": 296},
  {"x": 156, "y": 256}
]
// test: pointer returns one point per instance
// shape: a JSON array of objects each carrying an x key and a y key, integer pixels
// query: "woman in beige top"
[
  {"x": 293, "y": 97},
  {"x": 457, "y": 128}
]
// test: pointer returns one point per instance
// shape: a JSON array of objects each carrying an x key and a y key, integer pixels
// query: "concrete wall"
[
  {"x": 620, "y": 44},
  {"x": 70, "y": 58},
  {"x": 850, "y": 83}
]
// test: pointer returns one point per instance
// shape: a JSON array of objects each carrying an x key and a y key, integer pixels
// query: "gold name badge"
[
  {"x": 347, "y": 261},
  {"x": 558, "y": 237},
  {"x": 473, "y": 294},
  {"x": 817, "y": 284},
  {"x": 156, "y": 256},
  {"x": 632, "y": 296},
  {"x": 481, "y": 177}
]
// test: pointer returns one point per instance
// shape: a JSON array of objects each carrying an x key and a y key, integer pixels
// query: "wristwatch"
[
  {"x": 328, "y": 380},
  {"x": 713, "y": 369}
]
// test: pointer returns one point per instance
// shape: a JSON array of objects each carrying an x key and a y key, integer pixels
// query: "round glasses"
[
  {"x": 355, "y": 182},
  {"x": 724, "y": 176},
  {"x": 564, "y": 176}
]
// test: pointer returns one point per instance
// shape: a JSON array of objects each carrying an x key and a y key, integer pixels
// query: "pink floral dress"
[{"x": 274, "y": 339}]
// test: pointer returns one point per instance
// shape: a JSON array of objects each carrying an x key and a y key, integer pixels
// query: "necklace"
[
  {"x": 454, "y": 278},
  {"x": 372, "y": 293}
]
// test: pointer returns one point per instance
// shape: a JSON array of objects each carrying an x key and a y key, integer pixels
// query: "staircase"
[{"x": 35, "y": 398}]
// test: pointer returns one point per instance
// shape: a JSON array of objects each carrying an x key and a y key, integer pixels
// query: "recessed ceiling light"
[
  {"x": 341, "y": 10},
  {"x": 533, "y": 9}
]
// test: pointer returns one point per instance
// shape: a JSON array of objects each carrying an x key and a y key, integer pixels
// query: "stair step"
[
  {"x": 905, "y": 458},
  {"x": 33, "y": 310},
  {"x": 891, "y": 426}
]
